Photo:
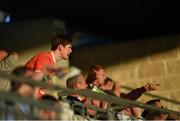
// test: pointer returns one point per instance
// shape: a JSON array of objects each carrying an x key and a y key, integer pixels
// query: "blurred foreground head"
[
  {"x": 21, "y": 88},
  {"x": 48, "y": 114}
]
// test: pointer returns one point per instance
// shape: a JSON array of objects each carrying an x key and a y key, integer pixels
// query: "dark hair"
[
  {"x": 60, "y": 39},
  {"x": 49, "y": 98},
  {"x": 152, "y": 102},
  {"x": 19, "y": 71},
  {"x": 92, "y": 75},
  {"x": 146, "y": 112}
]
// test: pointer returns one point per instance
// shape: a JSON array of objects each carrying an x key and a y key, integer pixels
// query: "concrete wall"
[{"x": 135, "y": 63}]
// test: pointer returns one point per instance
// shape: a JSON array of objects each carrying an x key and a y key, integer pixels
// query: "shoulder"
[
  {"x": 43, "y": 55},
  {"x": 46, "y": 53}
]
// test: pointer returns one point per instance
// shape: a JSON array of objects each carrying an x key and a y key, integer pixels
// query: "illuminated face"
[
  {"x": 158, "y": 104},
  {"x": 65, "y": 51},
  {"x": 82, "y": 84},
  {"x": 101, "y": 76}
]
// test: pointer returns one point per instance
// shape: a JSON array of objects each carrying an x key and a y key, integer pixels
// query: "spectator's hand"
[
  {"x": 89, "y": 111},
  {"x": 151, "y": 86},
  {"x": 3, "y": 54}
]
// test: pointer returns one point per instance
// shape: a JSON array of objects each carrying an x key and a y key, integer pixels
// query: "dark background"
[{"x": 119, "y": 20}]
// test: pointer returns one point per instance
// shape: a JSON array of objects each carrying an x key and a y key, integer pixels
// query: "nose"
[{"x": 70, "y": 51}]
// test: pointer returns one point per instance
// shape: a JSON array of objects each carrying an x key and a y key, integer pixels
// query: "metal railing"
[{"x": 122, "y": 103}]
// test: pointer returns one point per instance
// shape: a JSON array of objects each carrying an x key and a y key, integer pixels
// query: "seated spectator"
[
  {"x": 154, "y": 115},
  {"x": 48, "y": 114},
  {"x": 77, "y": 82},
  {"x": 134, "y": 95},
  {"x": 60, "y": 110},
  {"x": 22, "y": 110},
  {"x": 173, "y": 116},
  {"x": 114, "y": 87}
]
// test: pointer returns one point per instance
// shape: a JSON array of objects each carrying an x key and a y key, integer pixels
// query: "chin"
[{"x": 65, "y": 58}]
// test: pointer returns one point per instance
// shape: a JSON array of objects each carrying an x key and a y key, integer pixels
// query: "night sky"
[{"x": 118, "y": 20}]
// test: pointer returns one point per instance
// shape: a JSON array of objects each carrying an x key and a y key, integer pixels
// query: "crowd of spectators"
[{"x": 42, "y": 68}]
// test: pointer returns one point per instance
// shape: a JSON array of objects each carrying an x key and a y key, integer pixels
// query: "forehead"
[
  {"x": 101, "y": 71},
  {"x": 69, "y": 46},
  {"x": 158, "y": 103},
  {"x": 80, "y": 77},
  {"x": 26, "y": 86}
]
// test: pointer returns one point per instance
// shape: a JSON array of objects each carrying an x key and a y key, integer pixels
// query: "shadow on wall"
[{"x": 112, "y": 54}]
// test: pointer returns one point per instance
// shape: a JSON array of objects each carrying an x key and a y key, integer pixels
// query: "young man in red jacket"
[{"x": 61, "y": 48}]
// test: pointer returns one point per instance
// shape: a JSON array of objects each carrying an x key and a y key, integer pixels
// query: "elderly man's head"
[{"x": 76, "y": 82}]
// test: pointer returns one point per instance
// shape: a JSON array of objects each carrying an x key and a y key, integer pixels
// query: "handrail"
[
  {"x": 88, "y": 94},
  {"x": 40, "y": 104}
]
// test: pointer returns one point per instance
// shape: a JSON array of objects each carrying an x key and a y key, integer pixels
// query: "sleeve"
[
  {"x": 134, "y": 94},
  {"x": 8, "y": 63}
]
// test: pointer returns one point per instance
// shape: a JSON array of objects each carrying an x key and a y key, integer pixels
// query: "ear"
[
  {"x": 77, "y": 86},
  {"x": 95, "y": 71},
  {"x": 60, "y": 47}
]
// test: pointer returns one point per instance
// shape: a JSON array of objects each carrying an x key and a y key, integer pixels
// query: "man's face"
[
  {"x": 47, "y": 114},
  {"x": 66, "y": 51},
  {"x": 160, "y": 116},
  {"x": 101, "y": 76},
  {"x": 25, "y": 90},
  {"x": 158, "y": 104}
]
